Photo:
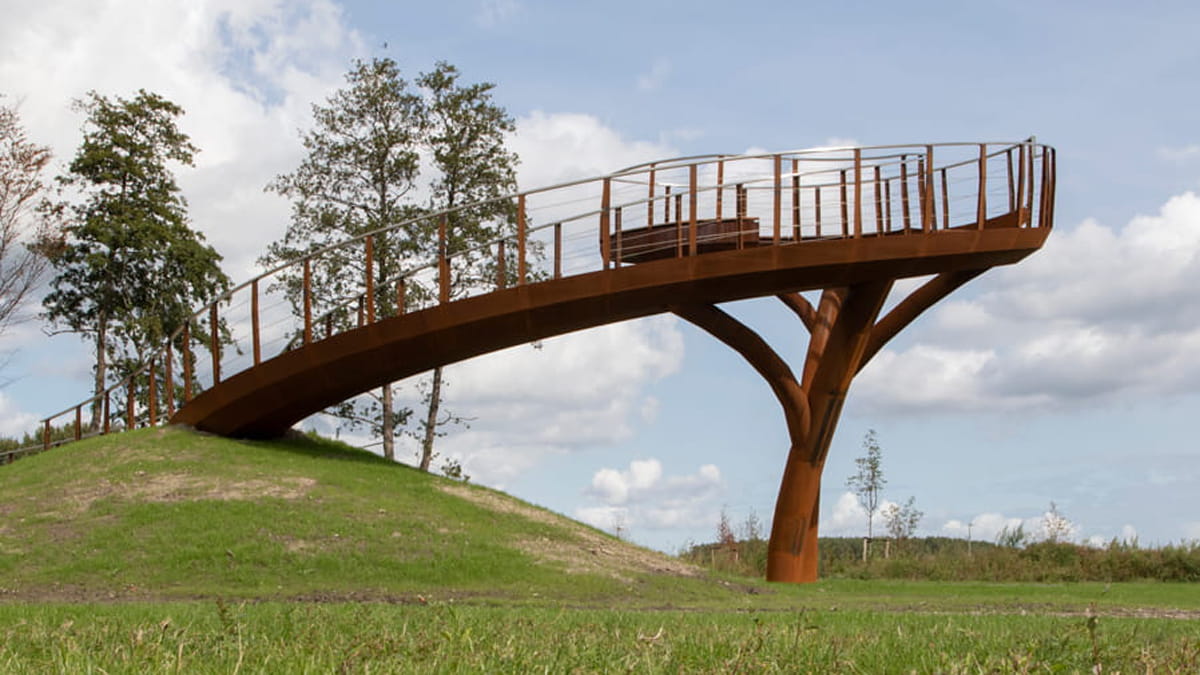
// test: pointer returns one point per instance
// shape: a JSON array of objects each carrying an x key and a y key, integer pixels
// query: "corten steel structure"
[{"x": 679, "y": 236}]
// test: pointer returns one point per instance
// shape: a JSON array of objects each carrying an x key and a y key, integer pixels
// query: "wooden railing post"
[
  {"x": 558, "y": 250},
  {"x": 605, "y": 196},
  {"x": 107, "y": 405},
  {"x": 46, "y": 435},
  {"x": 922, "y": 195},
  {"x": 214, "y": 340},
  {"x": 796, "y": 234},
  {"x": 152, "y": 398},
  {"x": 693, "y": 245},
  {"x": 1012, "y": 191},
  {"x": 256, "y": 335},
  {"x": 929, "y": 216},
  {"x": 169, "y": 380},
  {"x": 945, "y": 201},
  {"x": 878, "y": 200},
  {"x": 521, "y": 234},
  {"x": 678, "y": 226},
  {"x": 858, "y": 210},
  {"x": 777, "y": 199},
  {"x": 845, "y": 210},
  {"x": 981, "y": 210},
  {"x": 308, "y": 319},
  {"x": 650, "y": 199},
  {"x": 501, "y": 271},
  {"x": 443, "y": 263},
  {"x": 370, "y": 301},
  {"x": 400, "y": 296},
  {"x": 904, "y": 192},
  {"x": 720, "y": 185},
  {"x": 817, "y": 209},
  {"x": 1021, "y": 181},
  {"x": 186, "y": 355},
  {"x": 78, "y": 422},
  {"x": 619, "y": 237},
  {"x": 1045, "y": 188},
  {"x": 130, "y": 418}
]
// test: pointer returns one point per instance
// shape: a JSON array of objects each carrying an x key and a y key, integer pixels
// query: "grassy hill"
[{"x": 174, "y": 514}]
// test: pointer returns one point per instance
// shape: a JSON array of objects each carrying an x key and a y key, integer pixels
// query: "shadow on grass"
[{"x": 311, "y": 445}]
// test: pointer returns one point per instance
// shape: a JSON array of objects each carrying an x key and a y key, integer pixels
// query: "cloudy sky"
[{"x": 1072, "y": 377}]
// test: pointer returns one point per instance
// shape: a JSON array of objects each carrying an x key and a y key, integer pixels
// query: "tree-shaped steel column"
[{"x": 844, "y": 335}]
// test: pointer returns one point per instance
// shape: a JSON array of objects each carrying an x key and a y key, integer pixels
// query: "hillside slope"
[{"x": 170, "y": 513}]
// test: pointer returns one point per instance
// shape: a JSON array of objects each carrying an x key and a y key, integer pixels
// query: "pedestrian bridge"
[{"x": 680, "y": 236}]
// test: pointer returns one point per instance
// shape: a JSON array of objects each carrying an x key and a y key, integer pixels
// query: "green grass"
[
  {"x": 371, "y": 637},
  {"x": 168, "y": 513},
  {"x": 170, "y": 551}
]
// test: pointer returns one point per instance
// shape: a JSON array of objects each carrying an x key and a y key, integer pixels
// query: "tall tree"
[
  {"x": 361, "y": 167},
  {"x": 131, "y": 269},
  {"x": 362, "y": 174},
  {"x": 868, "y": 483},
  {"x": 465, "y": 135},
  {"x": 23, "y": 229}
]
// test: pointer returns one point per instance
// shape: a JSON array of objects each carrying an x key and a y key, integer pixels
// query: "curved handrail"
[{"x": 858, "y": 190}]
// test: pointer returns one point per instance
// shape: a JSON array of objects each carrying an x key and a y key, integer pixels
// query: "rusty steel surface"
[{"x": 847, "y": 222}]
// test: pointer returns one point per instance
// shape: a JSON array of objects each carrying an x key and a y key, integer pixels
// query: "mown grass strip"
[{"x": 280, "y": 637}]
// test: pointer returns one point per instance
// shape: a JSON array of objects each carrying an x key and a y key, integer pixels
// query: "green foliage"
[
  {"x": 868, "y": 483},
  {"x": 902, "y": 521},
  {"x": 131, "y": 271},
  {"x": 362, "y": 173},
  {"x": 946, "y": 559}
]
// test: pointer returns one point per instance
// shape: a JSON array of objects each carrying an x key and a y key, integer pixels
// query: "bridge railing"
[{"x": 665, "y": 209}]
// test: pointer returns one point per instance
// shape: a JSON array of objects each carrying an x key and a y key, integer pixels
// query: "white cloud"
[
  {"x": 492, "y": 13},
  {"x": 1099, "y": 313},
  {"x": 245, "y": 72},
  {"x": 14, "y": 423},
  {"x": 557, "y": 147},
  {"x": 654, "y": 78},
  {"x": 643, "y": 498},
  {"x": 984, "y": 527},
  {"x": 1179, "y": 154}
]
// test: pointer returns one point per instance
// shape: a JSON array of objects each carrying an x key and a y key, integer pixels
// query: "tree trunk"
[
  {"x": 435, "y": 400},
  {"x": 101, "y": 370},
  {"x": 388, "y": 424}
]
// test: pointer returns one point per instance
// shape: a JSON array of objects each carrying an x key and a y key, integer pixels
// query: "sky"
[{"x": 1069, "y": 378}]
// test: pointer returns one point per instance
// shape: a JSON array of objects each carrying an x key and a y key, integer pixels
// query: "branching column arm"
[
  {"x": 911, "y": 307},
  {"x": 802, "y": 307},
  {"x": 759, "y": 354}
]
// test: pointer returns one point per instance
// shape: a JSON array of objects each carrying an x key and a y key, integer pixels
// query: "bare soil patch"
[{"x": 590, "y": 552}]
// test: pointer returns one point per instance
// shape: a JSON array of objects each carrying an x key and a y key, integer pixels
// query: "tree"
[
  {"x": 902, "y": 521},
  {"x": 361, "y": 174},
  {"x": 466, "y": 132},
  {"x": 1056, "y": 528},
  {"x": 130, "y": 271},
  {"x": 868, "y": 483},
  {"x": 362, "y": 164},
  {"x": 24, "y": 231}
]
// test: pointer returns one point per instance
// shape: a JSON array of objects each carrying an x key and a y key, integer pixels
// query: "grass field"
[
  {"x": 167, "y": 551},
  {"x": 375, "y": 637}
]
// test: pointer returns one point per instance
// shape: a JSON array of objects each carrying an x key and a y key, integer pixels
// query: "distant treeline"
[{"x": 947, "y": 559}]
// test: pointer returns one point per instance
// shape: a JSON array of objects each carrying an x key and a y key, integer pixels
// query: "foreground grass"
[{"x": 288, "y": 637}]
